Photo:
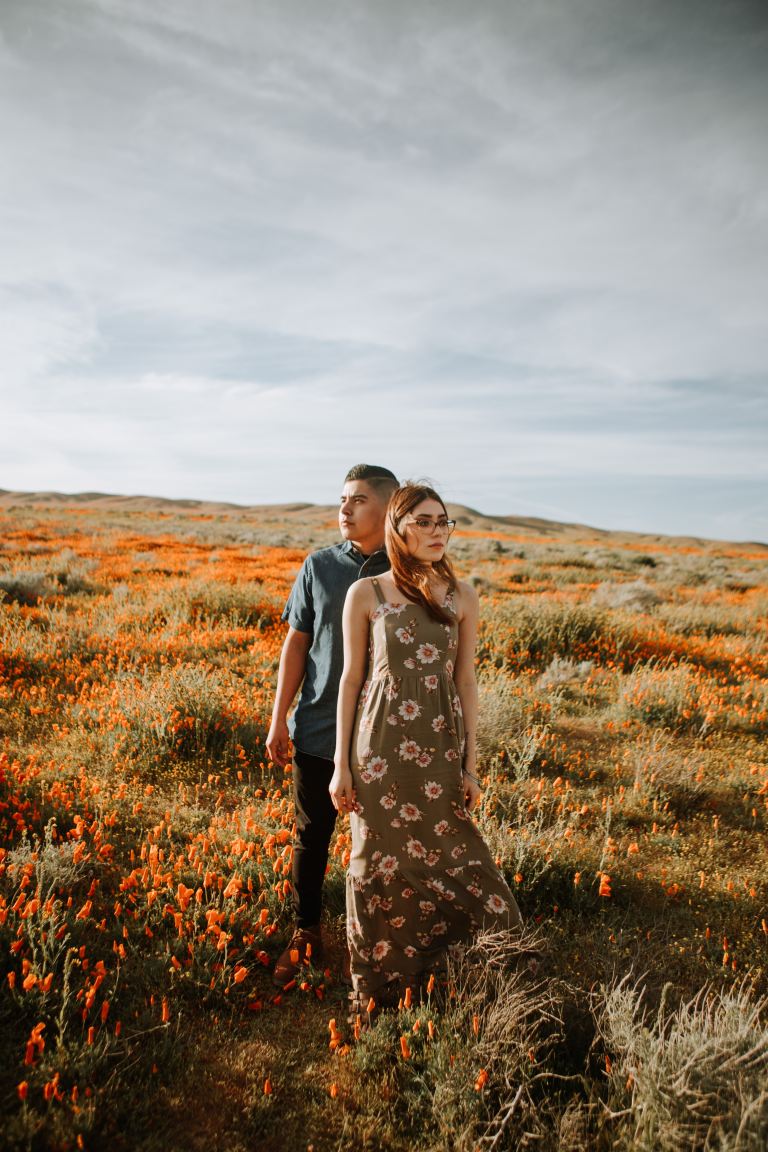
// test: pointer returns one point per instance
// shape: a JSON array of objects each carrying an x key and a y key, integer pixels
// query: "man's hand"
[
  {"x": 278, "y": 743},
  {"x": 341, "y": 790}
]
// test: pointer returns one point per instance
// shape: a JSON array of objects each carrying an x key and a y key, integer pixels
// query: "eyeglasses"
[{"x": 432, "y": 526}]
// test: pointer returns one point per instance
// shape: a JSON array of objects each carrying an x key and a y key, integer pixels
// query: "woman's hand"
[
  {"x": 341, "y": 790},
  {"x": 472, "y": 790}
]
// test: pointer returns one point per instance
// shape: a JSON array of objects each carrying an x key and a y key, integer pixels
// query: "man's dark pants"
[{"x": 315, "y": 820}]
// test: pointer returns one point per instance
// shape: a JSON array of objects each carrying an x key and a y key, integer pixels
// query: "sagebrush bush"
[
  {"x": 635, "y": 596},
  {"x": 562, "y": 671},
  {"x": 663, "y": 697},
  {"x": 533, "y": 633},
  {"x": 692, "y": 1078},
  {"x": 697, "y": 619},
  {"x": 507, "y": 709},
  {"x": 188, "y": 714},
  {"x": 62, "y": 575}
]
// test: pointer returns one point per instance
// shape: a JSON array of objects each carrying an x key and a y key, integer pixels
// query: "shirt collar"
[{"x": 349, "y": 547}]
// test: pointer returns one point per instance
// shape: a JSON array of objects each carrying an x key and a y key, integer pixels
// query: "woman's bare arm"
[
  {"x": 355, "y": 625},
  {"x": 466, "y": 687}
]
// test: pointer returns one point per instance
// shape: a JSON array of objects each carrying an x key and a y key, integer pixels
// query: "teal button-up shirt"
[{"x": 315, "y": 605}]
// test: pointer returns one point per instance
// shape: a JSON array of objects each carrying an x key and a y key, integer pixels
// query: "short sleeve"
[{"x": 299, "y": 610}]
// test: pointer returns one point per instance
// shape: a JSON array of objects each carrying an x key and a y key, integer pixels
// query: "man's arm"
[{"x": 293, "y": 664}]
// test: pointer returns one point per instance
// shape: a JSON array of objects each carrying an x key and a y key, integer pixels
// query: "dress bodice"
[{"x": 405, "y": 641}]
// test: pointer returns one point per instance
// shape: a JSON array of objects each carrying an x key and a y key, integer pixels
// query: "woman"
[{"x": 420, "y": 875}]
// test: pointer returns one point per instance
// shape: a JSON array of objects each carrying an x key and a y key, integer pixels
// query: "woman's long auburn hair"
[{"x": 412, "y": 576}]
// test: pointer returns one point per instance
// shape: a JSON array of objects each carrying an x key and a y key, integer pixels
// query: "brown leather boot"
[{"x": 306, "y": 945}]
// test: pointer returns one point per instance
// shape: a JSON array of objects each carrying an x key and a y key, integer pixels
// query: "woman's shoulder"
[
  {"x": 465, "y": 597},
  {"x": 362, "y": 589}
]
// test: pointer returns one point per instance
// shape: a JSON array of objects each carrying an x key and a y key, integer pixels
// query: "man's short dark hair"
[{"x": 380, "y": 479}]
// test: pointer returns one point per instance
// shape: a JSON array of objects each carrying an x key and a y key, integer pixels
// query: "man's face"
[{"x": 361, "y": 516}]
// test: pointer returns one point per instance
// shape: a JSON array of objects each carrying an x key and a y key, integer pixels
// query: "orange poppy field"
[{"x": 146, "y": 840}]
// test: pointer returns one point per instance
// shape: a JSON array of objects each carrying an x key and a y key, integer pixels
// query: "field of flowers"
[{"x": 145, "y": 847}]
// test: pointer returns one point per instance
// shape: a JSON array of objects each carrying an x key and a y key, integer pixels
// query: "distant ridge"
[{"x": 468, "y": 519}]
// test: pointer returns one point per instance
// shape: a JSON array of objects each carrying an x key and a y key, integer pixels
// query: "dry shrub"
[
  {"x": 659, "y": 770},
  {"x": 244, "y": 605},
  {"x": 636, "y": 596},
  {"x": 27, "y": 588},
  {"x": 62, "y": 575},
  {"x": 663, "y": 697},
  {"x": 517, "y": 1021},
  {"x": 532, "y": 634},
  {"x": 696, "y": 619},
  {"x": 508, "y": 710},
  {"x": 563, "y": 671},
  {"x": 694, "y": 1078},
  {"x": 190, "y": 713}
]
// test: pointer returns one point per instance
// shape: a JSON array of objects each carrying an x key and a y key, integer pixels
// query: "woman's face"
[{"x": 424, "y": 541}]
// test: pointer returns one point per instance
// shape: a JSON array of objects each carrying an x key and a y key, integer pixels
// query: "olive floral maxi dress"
[{"x": 420, "y": 875}]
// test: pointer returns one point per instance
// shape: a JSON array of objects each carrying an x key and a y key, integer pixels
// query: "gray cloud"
[{"x": 494, "y": 241}]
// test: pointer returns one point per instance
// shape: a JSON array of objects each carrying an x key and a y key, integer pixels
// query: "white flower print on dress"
[
  {"x": 410, "y": 812},
  {"x": 393, "y": 720},
  {"x": 434, "y": 857},
  {"x": 397, "y": 921},
  {"x": 424, "y": 758},
  {"x": 442, "y": 828},
  {"x": 440, "y": 928},
  {"x": 439, "y": 724},
  {"x": 427, "y": 653},
  {"x": 374, "y": 769},
  {"x": 380, "y": 949},
  {"x": 495, "y": 904},
  {"x": 432, "y": 790},
  {"x": 430, "y": 683},
  {"x": 404, "y": 635},
  {"x": 392, "y": 688},
  {"x": 409, "y": 750},
  {"x": 409, "y": 663},
  {"x": 388, "y": 610},
  {"x": 427, "y": 907},
  {"x": 440, "y": 888},
  {"x": 415, "y": 848},
  {"x": 410, "y": 709},
  {"x": 456, "y": 705},
  {"x": 451, "y": 754},
  {"x": 387, "y": 866},
  {"x": 387, "y": 801},
  {"x": 459, "y": 850},
  {"x": 449, "y": 667}
]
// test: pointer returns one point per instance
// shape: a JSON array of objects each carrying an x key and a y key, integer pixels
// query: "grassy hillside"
[{"x": 145, "y": 847}]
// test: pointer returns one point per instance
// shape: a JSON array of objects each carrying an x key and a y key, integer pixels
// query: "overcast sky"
[{"x": 518, "y": 247}]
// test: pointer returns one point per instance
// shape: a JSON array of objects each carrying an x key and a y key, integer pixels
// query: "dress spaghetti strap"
[{"x": 378, "y": 591}]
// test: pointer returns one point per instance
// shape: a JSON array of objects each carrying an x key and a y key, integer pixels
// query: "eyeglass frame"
[{"x": 434, "y": 525}]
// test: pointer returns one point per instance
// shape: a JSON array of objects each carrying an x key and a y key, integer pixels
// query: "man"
[{"x": 313, "y": 652}]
